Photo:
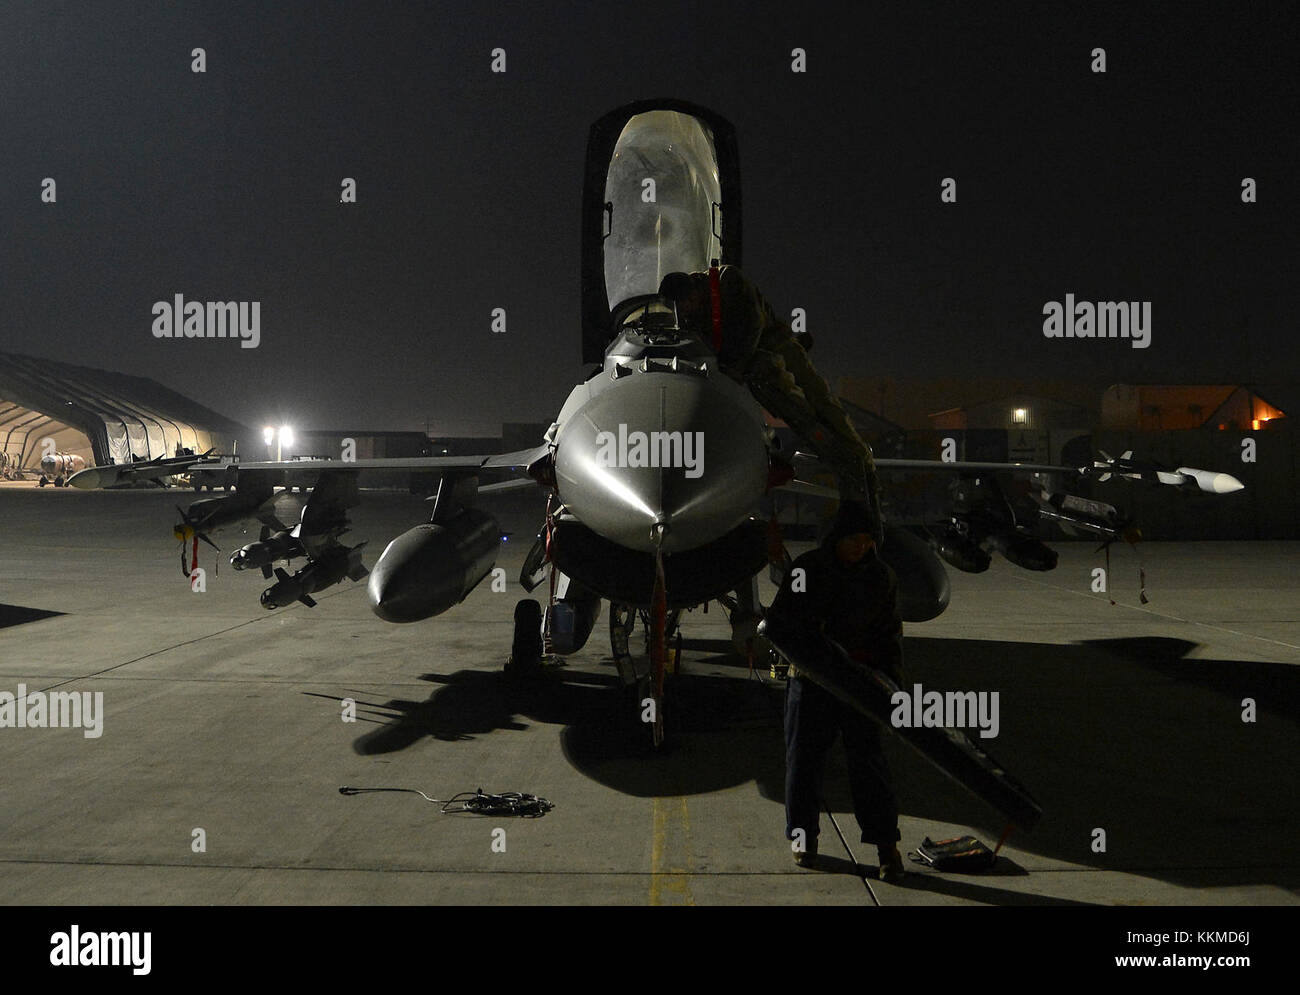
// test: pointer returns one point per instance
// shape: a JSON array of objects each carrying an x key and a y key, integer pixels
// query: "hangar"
[{"x": 100, "y": 416}]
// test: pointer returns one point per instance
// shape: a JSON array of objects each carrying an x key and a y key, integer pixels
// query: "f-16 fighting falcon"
[{"x": 656, "y": 465}]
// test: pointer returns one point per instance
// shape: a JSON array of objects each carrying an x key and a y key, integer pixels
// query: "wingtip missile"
[{"x": 1211, "y": 481}]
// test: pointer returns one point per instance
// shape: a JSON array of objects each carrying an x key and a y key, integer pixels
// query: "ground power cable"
[{"x": 477, "y": 802}]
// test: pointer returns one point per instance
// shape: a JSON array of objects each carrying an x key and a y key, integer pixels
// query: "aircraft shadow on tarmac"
[
  {"x": 18, "y": 615},
  {"x": 1129, "y": 736},
  {"x": 1125, "y": 735}
]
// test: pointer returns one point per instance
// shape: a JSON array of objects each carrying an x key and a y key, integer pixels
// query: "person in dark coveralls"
[{"x": 851, "y": 596}]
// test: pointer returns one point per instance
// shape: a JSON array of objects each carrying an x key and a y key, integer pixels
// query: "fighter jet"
[{"x": 656, "y": 465}]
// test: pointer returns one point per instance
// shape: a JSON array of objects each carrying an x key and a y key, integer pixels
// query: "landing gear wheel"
[
  {"x": 622, "y": 620},
  {"x": 671, "y": 631},
  {"x": 778, "y": 667},
  {"x": 526, "y": 649}
]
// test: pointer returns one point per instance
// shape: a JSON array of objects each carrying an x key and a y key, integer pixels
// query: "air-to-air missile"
[{"x": 1209, "y": 481}]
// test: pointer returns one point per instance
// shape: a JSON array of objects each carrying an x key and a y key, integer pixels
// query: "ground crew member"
[
  {"x": 850, "y": 595},
  {"x": 759, "y": 349}
]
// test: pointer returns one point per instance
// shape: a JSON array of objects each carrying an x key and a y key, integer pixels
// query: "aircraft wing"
[
  {"x": 970, "y": 466},
  {"x": 807, "y": 465},
  {"x": 111, "y": 475},
  {"x": 1101, "y": 468},
  {"x": 517, "y": 461},
  {"x": 980, "y": 515}
]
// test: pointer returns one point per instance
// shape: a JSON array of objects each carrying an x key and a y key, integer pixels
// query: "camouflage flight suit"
[{"x": 759, "y": 350}]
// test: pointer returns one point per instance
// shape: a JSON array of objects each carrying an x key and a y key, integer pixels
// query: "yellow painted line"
[{"x": 670, "y": 881}]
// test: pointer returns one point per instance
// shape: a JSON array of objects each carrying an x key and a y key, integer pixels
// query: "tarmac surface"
[{"x": 223, "y": 717}]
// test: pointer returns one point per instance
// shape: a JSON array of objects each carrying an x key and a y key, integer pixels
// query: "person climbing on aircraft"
[{"x": 757, "y": 348}]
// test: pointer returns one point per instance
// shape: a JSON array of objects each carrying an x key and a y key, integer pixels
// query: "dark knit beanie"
[{"x": 853, "y": 518}]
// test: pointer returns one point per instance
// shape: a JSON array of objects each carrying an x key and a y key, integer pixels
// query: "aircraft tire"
[{"x": 526, "y": 649}]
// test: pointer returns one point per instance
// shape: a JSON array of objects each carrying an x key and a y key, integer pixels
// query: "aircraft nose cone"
[{"x": 662, "y": 449}]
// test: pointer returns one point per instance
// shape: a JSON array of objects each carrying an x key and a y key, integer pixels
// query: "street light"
[{"x": 281, "y": 438}]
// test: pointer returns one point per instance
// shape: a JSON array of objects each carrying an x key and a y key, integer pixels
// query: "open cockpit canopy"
[{"x": 662, "y": 195}]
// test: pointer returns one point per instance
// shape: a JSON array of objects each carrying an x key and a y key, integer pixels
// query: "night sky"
[{"x": 225, "y": 186}]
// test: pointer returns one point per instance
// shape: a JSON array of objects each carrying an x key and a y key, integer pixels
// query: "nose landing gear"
[{"x": 645, "y": 680}]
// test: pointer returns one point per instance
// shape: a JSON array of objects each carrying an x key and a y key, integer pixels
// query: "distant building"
[
  {"x": 1015, "y": 413},
  {"x": 101, "y": 416},
  {"x": 1162, "y": 407},
  {"x": 516, "y": 435},
  {"x": 465, "y": 445},
  {"x": 991, "y": 403},
  {"x": 328, "y": 444},
  {"x": 372, "y": 444}
]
